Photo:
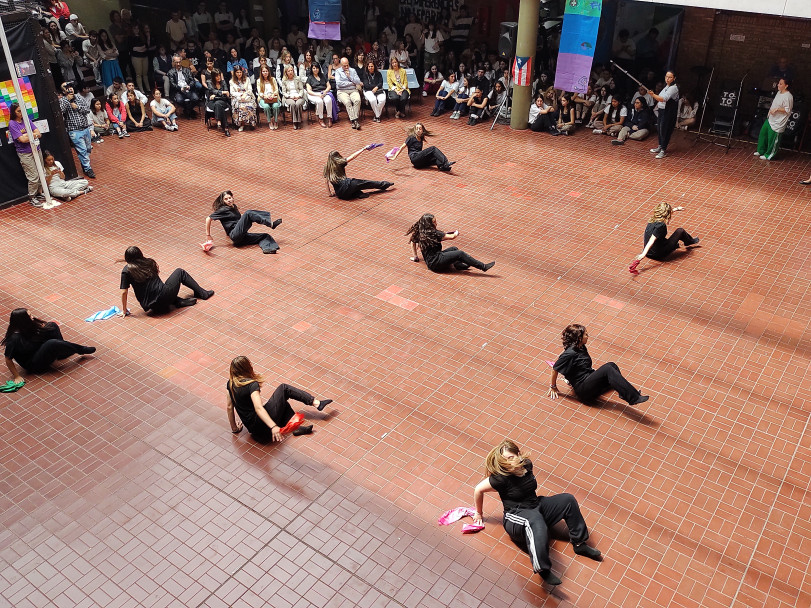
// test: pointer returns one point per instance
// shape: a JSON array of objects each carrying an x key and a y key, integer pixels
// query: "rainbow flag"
[
  {"x": 8, "y": 97},
  {"x": 580, "y": 24}
]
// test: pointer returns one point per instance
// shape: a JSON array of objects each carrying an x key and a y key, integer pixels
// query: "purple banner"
[{"x": 573, "y": 72}]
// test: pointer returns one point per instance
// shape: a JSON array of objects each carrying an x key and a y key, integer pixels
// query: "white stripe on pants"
[
  {"x": 521, "y": 521},
  {"x": 377, "y": 101},
  {"x": 319, "y": 103}
]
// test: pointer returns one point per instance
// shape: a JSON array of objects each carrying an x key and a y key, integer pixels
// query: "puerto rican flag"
[{"x": 522, "y": 71}]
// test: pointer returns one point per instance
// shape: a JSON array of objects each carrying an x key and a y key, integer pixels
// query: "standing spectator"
[
  {"x": 294, "y": 35},
  {"x": 432, "y": 40},
  {"x": 372, "y": 14},
  {"x": 460, "y": 29},
  {"x": 49, "y": 56},
  {"x": 667, "y": 101},
  {"x": 161, "y": 65},
  {"x": 110, "y": 67},
  {"x": 139, "y": 55},
  {"x": 772, "y": 131},
  {"x": 69, "y": 62},
  {"x": 176, "y": 28},
  {"x": 243, "y": 24},
  {"x": 25, "y": 151},
  {"x": 74, "y": 112},
  {"x": 348, "y": 84},
  {"x": 201, "y": 22},
  {"x": 119, "y": 31},
  {"x": 224, "y": 21}
]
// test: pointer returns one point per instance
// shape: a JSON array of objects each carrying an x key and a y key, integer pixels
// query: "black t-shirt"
[
  {"x": 659, "y": 230},
  {"x": 516, "y": 492},
  {"x": 241, "y": 397},
  {"x": 22, "y": 349},
  {"x": 147, "y": 293},
  {"x": 228, "y": 217},
  {"x": 575, "y": 364},
  {"x": 430, "y": 254},
  {"x": 413, "y": 145}
]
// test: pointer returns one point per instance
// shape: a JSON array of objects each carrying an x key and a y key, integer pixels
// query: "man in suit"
[{"x": 182, "y": 87}]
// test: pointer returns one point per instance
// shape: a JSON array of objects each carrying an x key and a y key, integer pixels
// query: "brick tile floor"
[{"x": 122, "y": 485}]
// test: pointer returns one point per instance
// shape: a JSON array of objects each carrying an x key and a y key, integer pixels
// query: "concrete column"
[{"x": 525, "y": 47}]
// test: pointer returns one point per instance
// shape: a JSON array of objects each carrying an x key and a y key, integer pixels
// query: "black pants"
[
  {"x": 529, "y": 528},
  {"x": 543, "y": 122},
  {"x": 50, "y": 351},
  {"x": 664, "y": 248},
  {"x": 666, "y": 125},
  {"x": 454, "y": 257},
  {"x": 221, "y": 109},
  {"x": 399, "y": 100},
  {"x": 171, "y": 287},
  {"x": 350, "y": 188},
  {"x": 427, "y": 157},
  {"x": 241, "y": 237},
  {"x": 188, "y": 99},
  {"x": 279, "y": 409},
  {"x": 604, "y": 378}
]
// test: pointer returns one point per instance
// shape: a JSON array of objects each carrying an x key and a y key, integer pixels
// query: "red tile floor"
[{"x": 123, "y": 486}]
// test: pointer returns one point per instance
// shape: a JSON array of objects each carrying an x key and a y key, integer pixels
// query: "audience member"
[
  {"x": 688, "y": 109},
  {"x": 137, "y": 119},
  {"x": 218, "y": 100},
  {"x": 26, "y": 149},
  {"x": 243, "y": 102},
  {"x": 373, "y": 89},
  {"x": 109, "y": 59},
  {"x": 163, "y": 111},
  {"x": 399, "y": 92},
  {"x": 117, "y": 113},
  {"x": 75, "y": 111},
  {"x": 293, "y": 96},
  {"x": 181, "y": 83},
  {"x": 347, "y": 85},
  {"x": 267, "y": 95},
  {"x": 58, "y": 186},
  {"x": 319, "y": 94},
  {"x": 637, "y": 127},
  {"x": 446, "y": 95},
  {"x": 432, "y": 81}
]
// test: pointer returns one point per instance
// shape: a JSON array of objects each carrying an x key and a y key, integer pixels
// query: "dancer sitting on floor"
[
  {"x": 657, "y": 244},
  {"x": 347, "y": 188},
  {"x": 236, "y": 224},
  {"x": 528, "y": 517},
  {"x": 35, "y": 344},
  {"x": 153, "y": 294},
  {"x": 420, "y": 158},
  {"x": 574, "y": 363},
  {"x": 425, "y": 234},
  {"x": 264, "y": 422}
]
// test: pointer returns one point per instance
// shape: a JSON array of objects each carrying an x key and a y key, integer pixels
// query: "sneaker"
[
  {"x": 598, "y": 131},
  {"x": 661, "y": 154},
  {"x": 757, "y": 153},
  {"x": 99, "y": 141},
  {"x": 696, "y": 241},
  {"x": 617, "y": 142},
  {"x": 764, "y": 158},
  {"x": 241, "y": 129},
  {"x": 37, "y": 202},
  {"x": 656, "y": 150},
  {"x": 120, "y": 136},
  {"x": 54, "y": 203},
  {"x": 549, "y": 578},
  {"x": 425, "y": 93},
  {"x": 586, "y": 551},
  {"x": 89, "y": 189},
  {"x": 126, "y": 134},
  {"x": 89, "y": 173}
]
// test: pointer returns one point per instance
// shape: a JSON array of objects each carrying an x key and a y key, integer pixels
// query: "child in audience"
[{"x": 58, "y": 186}]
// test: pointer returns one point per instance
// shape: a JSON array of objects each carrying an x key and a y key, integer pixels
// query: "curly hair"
[
  {"x": 573, "y": 335},
  {"x": 424, "y": 232},
  {"x": 662, "y": 213}
]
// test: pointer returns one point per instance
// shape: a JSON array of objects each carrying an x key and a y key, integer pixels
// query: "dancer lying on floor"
[
  {"x": 264, "y": 422},
  {"x": 236, "y": 224},
  {"x": 35, "y": 345},
  {"x": 657, "y": 244},
  {"x": 574, "y": 364},
  {"x": 528, "y": 517},
  {"x": 153, "y": 294},
  {"x": 425, "y": 234},
  {"x": 420, "y": 158},
  {"x": 347, "y": 188}
]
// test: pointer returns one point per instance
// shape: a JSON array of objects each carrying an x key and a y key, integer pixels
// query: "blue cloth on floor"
[{"x": 103, "y": 314}]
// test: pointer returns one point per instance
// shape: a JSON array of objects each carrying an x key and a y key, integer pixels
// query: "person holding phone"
[{"x": 425, "y": 234}]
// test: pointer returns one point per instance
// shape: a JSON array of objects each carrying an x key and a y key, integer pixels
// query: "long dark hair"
[
  {"x": 140, "y": 269},
  {"x": 573, "y": 335},
  {"x": 20, "y": 322},
  {"x": 424, "y": 232},
  {"x": 219, "y": 202}
]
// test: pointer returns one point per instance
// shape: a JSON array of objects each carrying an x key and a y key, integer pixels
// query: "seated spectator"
[
  {"x": 359, "y": 62},
  {"x": 583, "y": 105},
  {"x": 70, "y": 64},
  {"x": 219, "y": 56},
  {"x": 163, "y": 112},
  {"x": 75, "y": 32},
  {"x": 605, "y": 79},
  {"x": 480, "y": 82},
  {"x": 498, "y": 96},
  {"x": 398, "y": 86},
  {"x": 445, "y": 95},
  {"x": 161, "y": 64},
  {"x": 91, "y": 55},
  {"x": 687, "y": 112},
  {"x": 412, "y": 50},
  {"x": 181, "y": 91},
  {"x": 541, "y": 116},
  {"x": 117, "y": 113},
  {"x": 243, "y": 102},
  {"x": 57, "y": 35},
  {"x": 432, "y": 81},
  {"x": 401, "y": 55},
  {"x": 477, "y": 106},
  {"x": 267, "y": 95},
  {"x": 235, "y": 60},
  {"x": 647, "y": 100},
  {"x": 101, "y": 122},
  {"x": 613, "y": 119},
  {"x": 305, "y": 66},
  {"x": 348, "y": 85},
  {"x": 218, "y": 100},
  {"x": 205, "y": 75},
  {"x": 293, "y": 96},
  {"x": 376, "y": 56},
  {"x": 137, "y": 119},
  {"x": 285, "y": 61},
  {"x": 565, "y": 120},
  {"x": 489, "y": 72},
  {"x": 319, "y": 94},
  {"x": 138, "y": 95},
  {"x": 637, "y": 127},
  {"x": 461, "y": 97},
  {"x": 257, "y": 61},
  {"x": 373, "y": 89},
  {"x": 601, "y": 103},
  {"x": 331, "y": 68},
  {"x": 58, "y": 186},
  {"x": 118, "y": 87}
]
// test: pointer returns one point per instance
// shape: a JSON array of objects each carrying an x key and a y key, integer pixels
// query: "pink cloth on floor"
[
  {"x": 471, "y": 528},
  {"x": 448, "y": 517}
]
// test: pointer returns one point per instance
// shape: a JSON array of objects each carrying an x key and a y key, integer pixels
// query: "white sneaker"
[
  {"x": 757, "y": 153},
  {"x": 656, "y": 150},
  {"x": 425, "y": 93},
  {"x": 597, "y": 131},
  {"x": 661, "y": 154},
  {"x": 764, "y": 158}
]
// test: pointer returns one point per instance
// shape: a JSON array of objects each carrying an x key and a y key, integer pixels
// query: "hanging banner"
[
  {"x": 580, "y": 24},
  {"x": 325, "y": 20},
  {"x": 428, "y": 9}
]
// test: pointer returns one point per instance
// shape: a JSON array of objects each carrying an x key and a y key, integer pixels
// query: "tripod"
[{"x": 504, "y": 105}]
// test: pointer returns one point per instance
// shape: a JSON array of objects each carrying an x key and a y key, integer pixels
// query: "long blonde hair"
[
  {"x": 498, "y": 464},
  {"x": 241, "y": 373},
  {"x": 335, "y": 170},
  {"x": 662, "y": 213}
]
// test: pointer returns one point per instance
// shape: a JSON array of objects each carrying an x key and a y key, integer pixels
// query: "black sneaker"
[
  {"x": 488, "y": 266},
  {"x": 206, "y": 294},
  {"x": 322, "y": 403},
  {"x": 549, "y": 578},
  {"x": 304, "y": 429},
  {"x": 89, "y": 173},
  {"x": 586, "y": 551},
  {"x": 36, "y": 202},
  {"x": 275, "y": 224},
  {"x": 181, "y": 302},
  {"x": 696, "y": 241},
  {"x": 87, "y": 350}
]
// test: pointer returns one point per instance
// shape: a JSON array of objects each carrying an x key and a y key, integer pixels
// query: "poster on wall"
[
  {"x": 580, "y": 24},
  {"x": 429, "y": 9},
  {"x": 8, "y": 96}
]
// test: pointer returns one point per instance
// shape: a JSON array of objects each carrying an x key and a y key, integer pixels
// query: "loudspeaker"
[
  {"x": 796, "y": 121},
  {"x": 507, "y": 39}
]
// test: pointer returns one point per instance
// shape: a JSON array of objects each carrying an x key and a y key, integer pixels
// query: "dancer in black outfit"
[
  {"x": 153, "y": 294},
  {"x": 528, "y": 517},
  {"x": 347, "y": 188},
  {"x": 425, "y": 234},
  {"x": 236, "y": 224},
  {"x": 264, "y": 422},
  {"x": 420, "y": 158},
  {"x": 574, "y": 364},
  {"x": 657, "y": 244},
  {"x": 35, "y": 344}
]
